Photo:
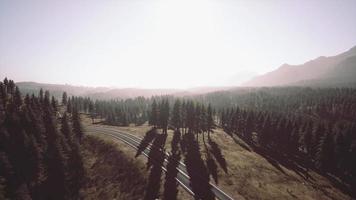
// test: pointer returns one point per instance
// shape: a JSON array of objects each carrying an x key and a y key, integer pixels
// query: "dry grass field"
[{"x": 249, "y": 174}]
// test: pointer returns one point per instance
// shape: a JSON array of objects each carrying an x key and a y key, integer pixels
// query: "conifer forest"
[{"x": 302, "y": 129}]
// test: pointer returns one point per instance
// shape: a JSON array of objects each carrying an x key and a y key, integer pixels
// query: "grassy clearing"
[{"x": 254, "y": 177}]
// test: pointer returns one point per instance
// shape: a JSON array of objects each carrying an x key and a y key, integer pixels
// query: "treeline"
[
  {"x": 330, "y": 104},
  {"x": 185, "y": 116},
  {"x": 114, "y": 112},
  {"x": 39, "y": 148},
  {"x": 336, "y": 103}
]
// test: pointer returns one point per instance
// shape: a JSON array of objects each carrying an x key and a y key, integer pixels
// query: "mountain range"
[
  {"x": 333, "y": 71},
  {"x": 339, "y": 71}
]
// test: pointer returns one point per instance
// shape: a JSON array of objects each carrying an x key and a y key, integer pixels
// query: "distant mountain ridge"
[
  {"x": 109, "y": 92},
  {"x": 338, "y": 70}
]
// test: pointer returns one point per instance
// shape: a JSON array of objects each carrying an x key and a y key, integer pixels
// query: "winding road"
[{"x": 133, "y": 141}]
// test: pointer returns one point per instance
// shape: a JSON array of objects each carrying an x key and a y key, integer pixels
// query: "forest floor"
[{"x": 249, "y": 174}]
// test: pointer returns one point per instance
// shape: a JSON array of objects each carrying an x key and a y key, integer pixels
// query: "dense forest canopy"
[{"x": 39, "y": 151}]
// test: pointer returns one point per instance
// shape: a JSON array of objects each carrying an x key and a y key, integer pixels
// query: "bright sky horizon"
[{"x": 166, "y": 43}]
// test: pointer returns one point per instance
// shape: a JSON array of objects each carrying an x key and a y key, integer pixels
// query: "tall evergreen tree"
[
  {"x": 154, "y": 114},
  {"x": 55, "y": 160},
  {"x": 164, "y": 115},
  {"x": 210, "y": 120},
  {"x": 77, "y": 127},
  {"x": 69, "y": 106},
  {"x": 54, "y": 104},
  {"x": 64, "y": 98},
  {"x": 176, "y": 120},
  {"x": 325, "y": 153},
  {"x": 41, "y": 95},
  {"x": 17, "y": 97}
]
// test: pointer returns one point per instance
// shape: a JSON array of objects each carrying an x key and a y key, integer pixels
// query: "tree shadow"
[
  {"x": 176, "y": 141},
  {"x": 240, "y": 140},
  {"x": 212, "y": 167},
  {"x": 150, "y": 135},
  {"x": 199, "y": 176},
  {"x": 269, "y": 159},
  {"x": 171, "y": 185},
  {"x": 210, "y": 163},
  {"x": 99, "y": 122},
  {"x": 157, "y": 146},
  {"x": 216, "y": 151},
  {"x": 278, "y": 159},
  {"x": 183, "y": 143},
  {"x": 241, "y": 143},
  {"x": 155, "y": 159},
  {"x": 297, "y": 163},
  {"x": 154, "y": 179},
  {"x": 340, "y": 185}
]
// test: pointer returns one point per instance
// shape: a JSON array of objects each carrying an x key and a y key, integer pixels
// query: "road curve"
[{"x": 133, "y": 141}]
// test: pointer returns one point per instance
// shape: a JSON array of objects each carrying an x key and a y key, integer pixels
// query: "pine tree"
[
  {"x": 64, "y": 98},
  {"x": 293, "y": 144},
  {"x": 17, "y": 97},
  {"x": 210, "y": 121},
  {"x": 75, "y": 160},
  {"x": 6, "y": 81},
  {"x": 75, "y": 171},
  {"x": 11, "y": 87},
  {"x": 54, "y": 104},
  {"x": 92, "y": 111},
  {"x": 47, "y": 101},
  {"x": 317, "y": 133},
  {"x": 41, "y": 95},
  {"x": 154, "y": 114},
  {"x": 27, "y": 100},
  {"x": 176, "y": 120},
  {"x": 325, "y": 153},
  {"x": 307, "y": 138},
  {"x": 55, "y": 160},
  {"x": 77, "y": 127},
  {"x": 69, "y": 106},
  {"x": 35, "y": 167},
  {"x": 65, "y": 129},
  {"x": 342, "y": 147},
  {"x": 164, "y": 115},
  {"x": 264, "y": 136},
  {"x": 250, "y": 126}
]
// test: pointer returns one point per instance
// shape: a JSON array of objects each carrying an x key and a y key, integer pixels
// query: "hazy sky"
[{"x": 167, "y": 43}]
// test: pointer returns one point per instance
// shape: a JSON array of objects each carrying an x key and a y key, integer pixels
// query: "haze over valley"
[{"x": 333, "y": 71}]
